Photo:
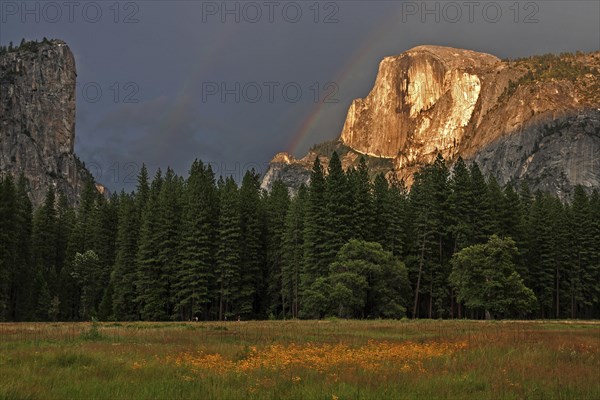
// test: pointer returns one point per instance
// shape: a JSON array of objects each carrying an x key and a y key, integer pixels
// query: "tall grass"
[{"x": 302, "y": 360}]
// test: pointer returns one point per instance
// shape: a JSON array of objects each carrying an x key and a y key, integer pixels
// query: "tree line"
[
  {"x": 31, "y": 45},
  {"x": 345, "y": 245}
]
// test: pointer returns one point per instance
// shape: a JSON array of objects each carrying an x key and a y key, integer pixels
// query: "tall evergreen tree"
[
  {"x": 479, "y": 209},
  {"x": 276, "y": 207},
  {"x": 595, "y": 252},
  {"x": 361, "y": 207},
  {"x": 197, "y": 251},
  {"x": 400, "y": 224},
  {"x": 107, "y": 229},
  {"x": 228, "y": 252},
  {"x": 338, "y": 213},
  {"x": 8, "y": 207},
  {"x": 429, "y": 198},
  {"x": 249, "y": 300},
  {"x": 150, "y": 288},
  {"x": 460, "y": 205},
  {"x": 315, "y": 264},
  {"x": 382, "y": 211},
  {"x": 44, "y": 240},
  {"x": 15, "y": 272},
  {"x": 293, "y": 254},
  {"x": 582, "y": 274},
  {"x": 124, "y": 272},
  {"x": 21, "y": 287}
]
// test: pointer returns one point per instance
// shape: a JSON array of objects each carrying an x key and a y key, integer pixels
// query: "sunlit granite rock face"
[
  {"x": 433, "y": 99},
  {"x": 425, "y": 90},
  {"x": 37, "y": 119}
]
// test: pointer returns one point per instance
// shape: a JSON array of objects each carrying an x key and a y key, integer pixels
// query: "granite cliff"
[
  {"x": 37, "y": 118},
  {"x": 534, "y": 119}
]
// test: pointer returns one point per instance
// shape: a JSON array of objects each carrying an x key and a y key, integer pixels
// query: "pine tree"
[
  {"x": 168, "y": 238},
  {"x": 108, "y": 221},
  {"x": 15, "y": 271},
  {"x": 149, "y": 284},
  {"x": 197, "y": 251},
  {"x": 461, "y": 203},
  {"x": 314, "y": 244},
  {"x": 479, "y": 208},
  {"x": 582, "y": 274},
  {"x": 293, "y": 254},
  {"x": 439, "y": 289},
  {"x": 511, "y": 215},
  {"x": 124, "y": 272},
  {"x": 382, "y": 211},
  {"x": 68, "y": 288},
  {"x": 400, "y": 224},
  {"x": 143, "y": 191},
  {"x": 21, "y": 287},
  {"x": 228, "y": 256},
  {"x": 251, "y": 247},
  {"x": 524, "y": 243},
  {"x": 8, "y": 206},
  {"x": 595, "y": 252},
  {"x": 44, "y": 240},
  {"x": 277, "y": 203},
  {"x": 86, "y": 272},
  {"x": 65, "y": 220},
  {"x": 494, "y": 204},
  {"x": 83, "y": 236},
  {"x": 361, "y": 207},
  {"x": 429, "y": 198},
  {"x": 338, "y": 213},
  {"x": 549, "y": 257},
  {"x": 157, "y": 250}
]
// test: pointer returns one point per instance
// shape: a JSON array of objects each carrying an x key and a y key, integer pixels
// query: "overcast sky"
[{"x": 233, "y": 83}]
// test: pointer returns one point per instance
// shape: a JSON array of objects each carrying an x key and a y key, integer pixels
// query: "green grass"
[{"x": 496, "y": 360}]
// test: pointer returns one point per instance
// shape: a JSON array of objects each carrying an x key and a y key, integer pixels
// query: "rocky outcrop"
[
  {"x": 293, "y": 173},
  {"x": 532, "y": 119},
  {"x": 37, "y": 118},
  {"x": 553, "y": 156}
]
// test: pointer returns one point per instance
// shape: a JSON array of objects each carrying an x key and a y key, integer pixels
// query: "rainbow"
[{"x": 365, "y": 52}]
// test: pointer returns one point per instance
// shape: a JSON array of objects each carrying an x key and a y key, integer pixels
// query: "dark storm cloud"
[{"x": 161, "y": 55}]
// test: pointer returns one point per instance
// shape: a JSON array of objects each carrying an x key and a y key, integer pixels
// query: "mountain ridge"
[{"x": 434, "y": 99}]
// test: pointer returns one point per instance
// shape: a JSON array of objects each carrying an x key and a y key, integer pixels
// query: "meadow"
[{"x": 329, "y": 359}]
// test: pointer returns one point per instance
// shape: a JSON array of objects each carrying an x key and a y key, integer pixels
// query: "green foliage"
[
  {"x": 200, "y": 248},
  {"x": 293, "y": 254},
  {"x": 548, "y": 67},
  {"x": 485, "y": 278},
  {"x": 124, "y": 271},
  {"x": 227, "y": 272},
  {"x": 314, "y": 224},
  {"x": 197, "y": 250},
  {"x": 249, "y": 297},
  {"x": 86, "y": 272},
  {"x": 276, "y": 207},
  {"x": 338, "y": 222},
  {"x": 429, "y": 199},
  {"x": 363, "y": 281}
]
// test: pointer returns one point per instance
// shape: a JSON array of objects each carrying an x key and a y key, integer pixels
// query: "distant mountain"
[
  {"x": 37, "y": 118},
  {"x": 535, "y": 119}
]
